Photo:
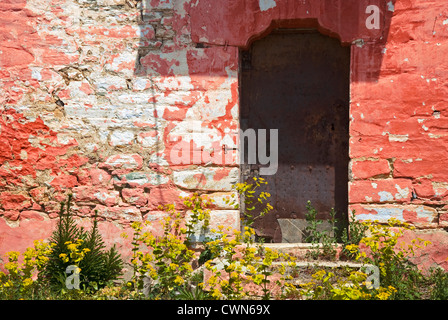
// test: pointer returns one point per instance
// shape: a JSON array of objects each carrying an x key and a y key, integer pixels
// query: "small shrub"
[
  {"x": 73, "y": 245},
  {"x": 243, "y": 268},
  {"x": 391, "y": 257},
  {"x": 167, "y": 259},
  {"x": 352, "y": 235},
  {"x": 439, "y": 278},
  {"x": 193, "y": 293},
  {"x": 324, "y": 242},
  {"x": 328, "y": 286}
]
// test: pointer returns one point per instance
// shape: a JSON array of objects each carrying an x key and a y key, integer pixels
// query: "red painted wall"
[{"x": 96, "y": 96}]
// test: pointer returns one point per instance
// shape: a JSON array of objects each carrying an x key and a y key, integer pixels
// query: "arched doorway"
[{"x": 298, "y": 81}]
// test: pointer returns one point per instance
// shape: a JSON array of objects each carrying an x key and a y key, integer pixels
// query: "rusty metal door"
[{"x": 298, "y": 82}]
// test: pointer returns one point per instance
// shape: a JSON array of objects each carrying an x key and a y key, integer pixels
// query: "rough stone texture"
[
  {"x": 398, "y": 122},
  {"x": 226, "y": 218},
  {"x": 366, "y": 169},
  {"x": 380, "y": 191},
  {"x": 127, "y": 105},
  {"x": 420, "y": 216},
  {"x": 95, "y": 94}
]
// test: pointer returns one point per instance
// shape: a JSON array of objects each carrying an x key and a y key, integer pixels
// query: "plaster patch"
[
  {"x": 402, "y": 193},
  {"x": 423, "y": 212},
  {"x": 385, "y": 196},
  {"x": 434, "y": 136},
  {"x": 35, "y": 74},
  {"x": 382, "y": 214},
  {"x": 390, "y": 6},
  {"x": 121, "y": 137},
  {"x": 267, "y": 4},
  {"x": 398, "y": 137}
]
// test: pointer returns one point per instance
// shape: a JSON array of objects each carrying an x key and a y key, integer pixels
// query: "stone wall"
[
  {"x": 398, "y": 128},
  {"x": 96, "y": 97},
  {"x": 99, "y": 96}
]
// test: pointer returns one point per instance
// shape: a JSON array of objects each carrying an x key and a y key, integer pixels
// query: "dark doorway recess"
[{"x": 298, "y": 81}]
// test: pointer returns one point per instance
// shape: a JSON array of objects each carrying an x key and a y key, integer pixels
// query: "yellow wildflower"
[
  {"x": 27, "y": 282},
  {"x": 64, "y": 257},
  {"x": 178, "y": 280}
]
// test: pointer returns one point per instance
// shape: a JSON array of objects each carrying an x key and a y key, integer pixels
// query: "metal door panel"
[{"x": 298, "y": 83}]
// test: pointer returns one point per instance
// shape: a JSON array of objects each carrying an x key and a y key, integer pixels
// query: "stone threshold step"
[{"x": 300, "y": 250}]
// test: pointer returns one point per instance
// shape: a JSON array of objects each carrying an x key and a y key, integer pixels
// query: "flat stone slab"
[{"x": 293, "y": 230}]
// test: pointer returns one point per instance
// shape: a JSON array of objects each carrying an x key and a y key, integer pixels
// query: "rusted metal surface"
[{"x": 298, "y": 83}]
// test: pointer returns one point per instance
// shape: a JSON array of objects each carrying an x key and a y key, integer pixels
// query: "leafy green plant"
[
  {"x": 239, "y": 266},
  {"x": 254, "y": 202},
  {"x": 329, "y": 286},
  {"x": 199, "y": 216},
  {"x": 73, "y": 245},
  {"x": 312, "y": 233},
  {"x": 383, "y": 249},
  {"x": 243, "y": 268},
  {"x": 439, "y": 278},
  {"x": 193, "y": 293},
  {"x": 324, "y": 242},
  {"x": 167, "y": 259},
  {"x": 329, "y": 238},
  {"x": 352, "y": 235}
]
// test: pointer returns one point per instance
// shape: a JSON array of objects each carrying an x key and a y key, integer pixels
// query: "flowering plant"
[
  {"x": 20, "y": 279},
  {"x": 167, "y": 259}
]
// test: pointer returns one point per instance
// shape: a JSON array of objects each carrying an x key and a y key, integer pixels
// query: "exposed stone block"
[
  {"x": 123, "y": 161},
  {"x": 370, "y": 168},
  {"x": 14, "y": 201},
  {"x": 213, "y": 179},
  {"x": 122, "y": 138},
  {"x": 223, "y": 218},
  {"x": 140, "y": 179},
  {"x": 95, "y": 194},
  {"x": 418, "y": 168},
  {"x": 135, "y": 196},
  {"x": 124, "y": 214},
  {"x": 380, "y": 191},
  {"x": 420, "y": 216},
  {"x": 163, "y": 195},
  {"x": 99, "y": 177}
]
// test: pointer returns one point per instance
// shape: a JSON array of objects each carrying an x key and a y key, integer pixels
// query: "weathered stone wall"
[{"x": 97, "y": 97}]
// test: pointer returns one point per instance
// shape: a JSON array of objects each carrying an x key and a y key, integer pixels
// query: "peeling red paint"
[
  {"x": 160, "y": 65},
  {"x": 369, "y": 169},
  {"x": 78, "y": 80},
  {"x": 240, "y": 22},
  {"x": 64, "y": 181},
  {"x": 17, "y": 132},
  {"x": 12, "y": 201}
]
